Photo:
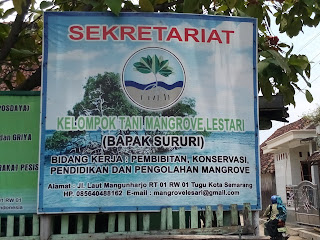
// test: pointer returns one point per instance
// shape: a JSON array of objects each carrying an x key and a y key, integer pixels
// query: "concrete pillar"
[
  {"x": 318, "y": 136},
  {"x": 255, "y": 222},
  {"x": 315, "y": 174},
  {"x": 45, "y": 227}
]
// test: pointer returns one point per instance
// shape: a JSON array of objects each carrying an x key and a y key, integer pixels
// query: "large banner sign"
[
  {"x": 19, "y": 149},
  {"x": 144, "y": 111}
]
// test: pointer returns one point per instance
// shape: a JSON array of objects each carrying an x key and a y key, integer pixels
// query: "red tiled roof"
[
  {"x": 314, "y": 157},
  {"x": 266, "y": 160}
]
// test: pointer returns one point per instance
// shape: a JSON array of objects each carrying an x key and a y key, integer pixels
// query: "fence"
[
  {"x": 132, "y": 225},
  {"x": 306, "y": 202}
]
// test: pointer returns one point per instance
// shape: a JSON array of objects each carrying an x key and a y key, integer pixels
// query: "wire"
[
  {"x": 306, "y": 86},
  {"x": 310, "y": 41}
]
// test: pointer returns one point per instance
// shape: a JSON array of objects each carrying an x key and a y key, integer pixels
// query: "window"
[{"x": 306, "y": 172}]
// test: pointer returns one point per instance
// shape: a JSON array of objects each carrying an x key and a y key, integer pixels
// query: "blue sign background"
[{"x": 220, "y": 95}]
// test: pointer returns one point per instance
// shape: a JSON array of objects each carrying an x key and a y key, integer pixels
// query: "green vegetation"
[
  {"x": 314, "y": 116},
  {"x": 103, "y": 97},
  {"x": 279, "y": 70},
  {"x": 153, "y": 65},
  {"x": 60, "y": 140}
]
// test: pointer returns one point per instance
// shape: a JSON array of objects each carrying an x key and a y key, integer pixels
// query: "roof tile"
[{"x": 267, "y": 160}]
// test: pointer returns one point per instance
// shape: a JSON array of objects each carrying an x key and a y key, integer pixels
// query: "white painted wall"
[
  {"x": 282, "y": 173},
  {"x": 295, "y": 160},
  {"x": 288, "y": 169}
]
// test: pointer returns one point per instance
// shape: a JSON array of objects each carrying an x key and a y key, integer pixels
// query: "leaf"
[
  {"x": 265, "y": 54},
  {"x": 266, "y": 88},
  {"x": 45, "y": 4},
  {"x": 146, "y": 6},
  {"x": 8, "y": 13},
  {"x": 166, "y": 71},
  {"x": 154, "y": 64},
  {"x": 114, "y": 5},
  {"x": 289, "y": 52},
  {"x": 283, "y": 22},
  {"x": 294, "y": 28},
  {"x": 160, "y": 1},
  {"x": 142, "y": 67},
  {"x": 130, "y": 6},
  {"x": 231, "y": 3},
  {"x": 282, "y": 45},
  {"x": 191, "y": 6},
  {"x": 287, "y": 5},
  {"x": 262, "y": 66},
  {"x": 147, "y": 61},
  {"x": 20, "y": 78},
  {"x": 21, "y": 53},
  {"x": 309, "y": 3},
  {"x": 145, "y": 65},
  {"x": 307, "y": 70},
  {"x": 206, "y": 3},
  {"x": 301, "y": 61},
  {"x": 300, "y": 71},
  {"x": 255, "y": 10},
  {"x": 309, "y": 96},
  {"x": 164, "y": 64},
  {"x": 280, "y": 60},
  {"x": 288, "y": 94},
  {"x": 18, "y": 5},
  {"x": 8, "y": 83},
  {"x": 222, "y": 8},
  {"x": 164, "y": 68}
]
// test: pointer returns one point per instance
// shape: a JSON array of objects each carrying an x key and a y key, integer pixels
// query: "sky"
[{"x": 219, "y": 76}]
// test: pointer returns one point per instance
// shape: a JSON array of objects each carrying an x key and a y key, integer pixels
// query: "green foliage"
[
  {"x": 114, "y": 5},
  {"x": 295, "y": 14},
  {"x": 280, "y": 71},
  {"x": 146, "y": 6},
  {"x": 60, "y": 140},
  {"x": 103, "y": 96},
  {"x": 153, "y": 65},
  {"x": 45, "y": 4},
  {"x": 18, "y": 5},
  {"x": 184, "y": 108},
  {"x": 314, "y": 116},
  {"x": 191, "y": 6},
  {"x": 280, "y": 74}
]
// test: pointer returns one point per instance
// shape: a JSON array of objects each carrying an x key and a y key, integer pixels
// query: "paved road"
[{"x": 294, "y": 235}]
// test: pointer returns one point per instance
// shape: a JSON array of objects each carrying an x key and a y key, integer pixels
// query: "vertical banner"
[
  {"x": 148, "y": 110},
  {"x": 19, "y": 148}
]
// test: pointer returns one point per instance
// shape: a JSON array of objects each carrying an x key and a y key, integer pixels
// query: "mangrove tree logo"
[{"x": 153, "y": 78}]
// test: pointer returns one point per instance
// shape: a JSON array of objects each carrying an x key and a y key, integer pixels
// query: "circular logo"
[{"x": 153, "y": 78}]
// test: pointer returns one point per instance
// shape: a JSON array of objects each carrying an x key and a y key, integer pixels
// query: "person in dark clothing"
[{"x": 276, "y": 213}]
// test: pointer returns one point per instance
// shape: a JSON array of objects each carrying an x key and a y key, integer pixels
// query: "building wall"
[
  {"x": 283, "y": 173},
  {"x": 288, "y": 168},
  {"x": 296, "y": 155},
  {"x": 268, "y": 188}
]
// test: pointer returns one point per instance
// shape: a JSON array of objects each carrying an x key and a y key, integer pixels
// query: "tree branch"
[
  {"x": 33, "y": 81},
  {"x": 14, "y": 33}
]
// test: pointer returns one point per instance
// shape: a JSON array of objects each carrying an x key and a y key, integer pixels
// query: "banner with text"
[
  {"x": 148, "y": 110},
  {"x": 19, "y": 147}
]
